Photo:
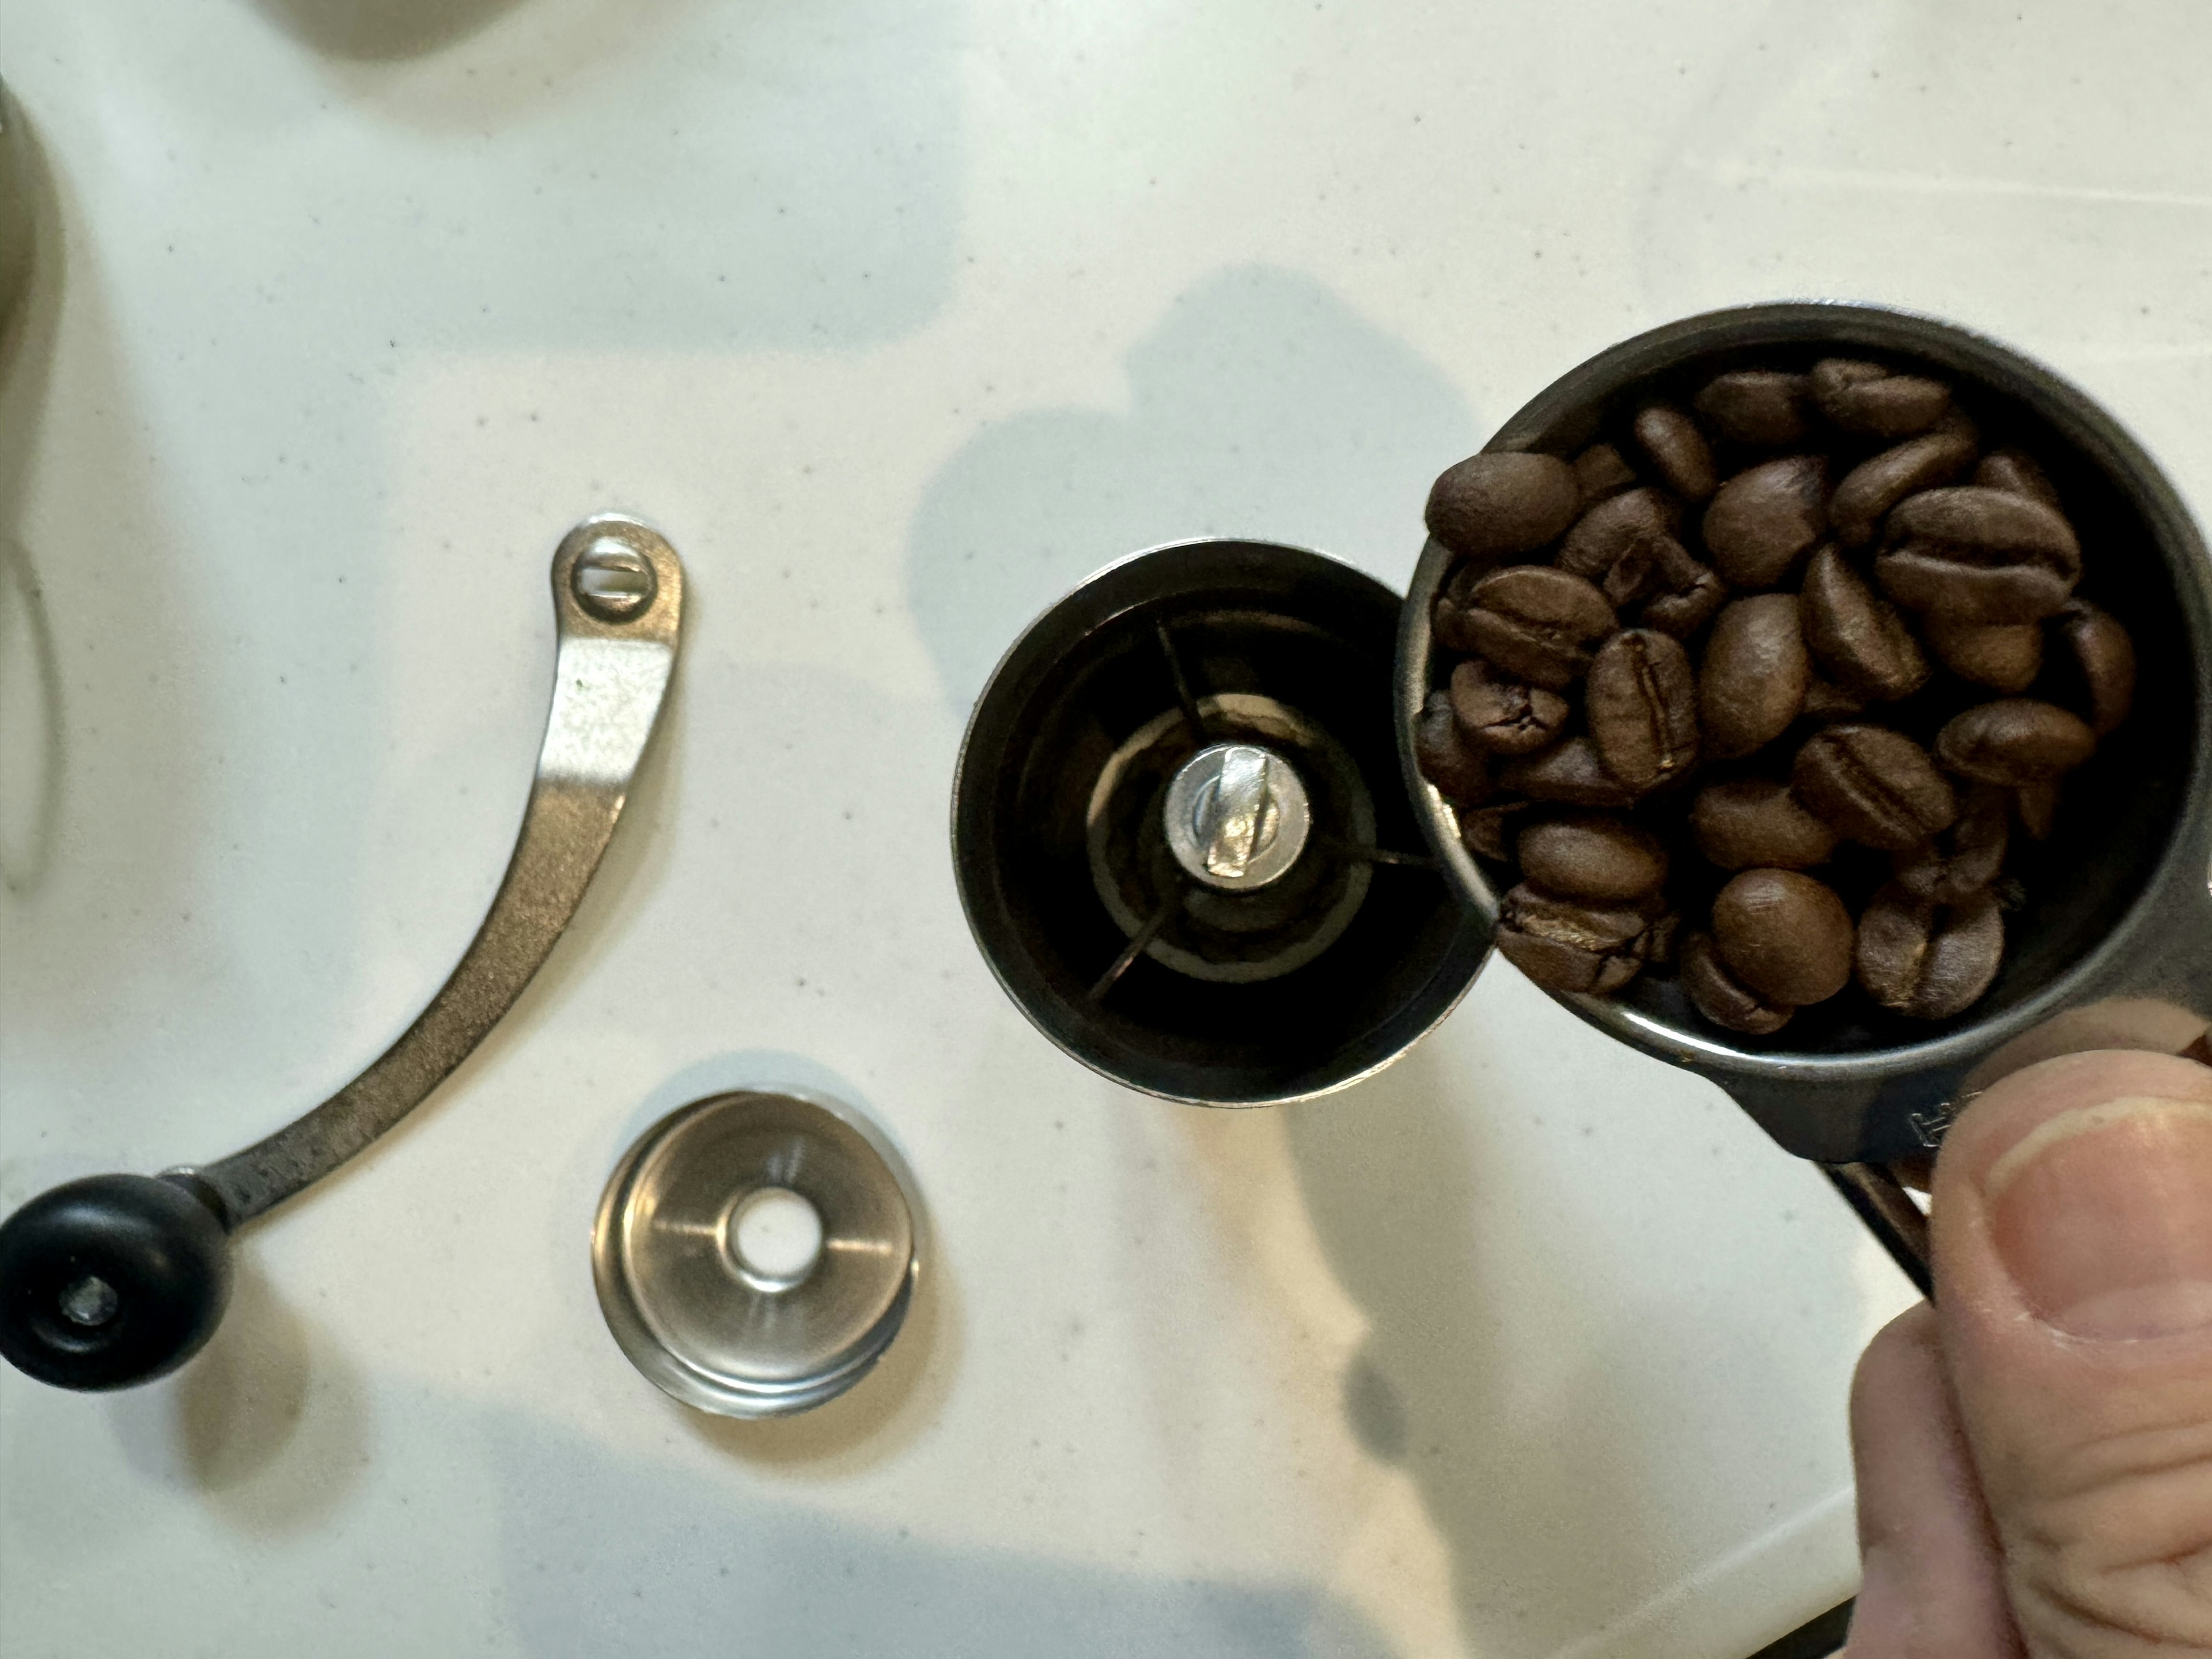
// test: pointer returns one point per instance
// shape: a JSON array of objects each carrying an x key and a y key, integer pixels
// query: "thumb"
[{"x": 2072, "y": 1228}]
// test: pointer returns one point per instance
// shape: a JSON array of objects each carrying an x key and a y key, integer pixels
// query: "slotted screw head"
[{"x": 613, "y": 580}]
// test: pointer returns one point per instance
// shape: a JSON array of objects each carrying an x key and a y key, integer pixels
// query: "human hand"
[{"x": 2034, "y": 1452}]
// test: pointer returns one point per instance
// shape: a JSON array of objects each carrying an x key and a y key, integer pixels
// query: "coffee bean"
[
  {"x": 1925, "y": 958},
  {"x": 1493, "y": 508},
  {"x": 1619, "y": 544},
  {"x": 1586, "y": 855},
  {"x": 1444, "y": 754},
  {"x": 1763, "y": 520},
  {"x": 1642, "y": 703},
  {"x": 1975, "y": 555},
  {"x": 2015, "y": 471},
  {"x": 1600, "y": 472},
  {"x": 1874, "y": 401},
  {"x": 1785, "y": 935},
  {"x": 1752, "y": 682},
  {"x": 2105, "y": 657},
  {"x": 1967, "y": 857},
  {"x": 1876, "y": 485},
  {"x": 1489, "y": 831},
  {"x": 2003, "y": 656},
  {"x": 2037, "y": 806},
  {"x": 1686, "y": 594},
  {"x": 1757, "y": 406},
  {"x": 1570, "y": 772},
  {"x": 1723, "y": 998},
  {"x": 1537, "y": 624},
  {"x": 1756, "y": 822},
  {"x": 1678, "y": 450},
  {"x": 1502, "y": 715},
  {"x": 2015, "y": 740},
  {"x": 1565, "y": 947},
  {"x": 1874, "y": 786},
  {"x": 1858, "y": 638}
]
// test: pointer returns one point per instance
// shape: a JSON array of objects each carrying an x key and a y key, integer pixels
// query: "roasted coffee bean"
[
  {"x": 1642, "y": 704},
  {"x": 1752, "y": 682},
  {"x": 1723, "y": 998},
  {"x": 1874, "y": 786},
  {"x": 1570, "y": 772},
  {"x": 1600, "y": 472},
  {"x": 1750, "y": 823},
  {"x": 1585, "y": 855},
  {"x": 1785, "y": 935},
  {"x": 1489, "y": 831},
  {"x": 1493, "y": 507},
  {"x": 1764, "y": 520},
  {"x": 1678, "y": 450},
  {"x": 1444, "y": 754},
  {"x": 1567, "y": 946},
  {"x": 1451, "y": 626},
  {"x": 2014, "y": 741},
  {"x": 2003, "y": 656},
  {"x": 1763, "y": 407},
  {"x": 1502, "y": 715},
  {"x": 1537, "y": 624},
  {"x": 1874, "y": 401},
  {"x": 1966, "y": 858},
  {"x": 1975, "y": 555},
  {"x": 2015, "y": 471},
  {"x": 1858, "y": 637},
  {"x": 1619, "y": 544},
  {"x": 1876, "y": 485},
  {"x": 1925, "y": 958},
  {"x": 1685, "y": 594},
  {"x": 2038, "y": 806},
  {"x": 2105, "y": 657}
]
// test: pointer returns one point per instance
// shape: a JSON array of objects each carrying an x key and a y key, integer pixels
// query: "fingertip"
[
  {"x": 2074, "y": 1191},
  {"x": 2013, "y": 1107}
]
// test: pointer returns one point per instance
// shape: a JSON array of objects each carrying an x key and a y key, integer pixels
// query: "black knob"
[{"x": 110, "y": 1280}]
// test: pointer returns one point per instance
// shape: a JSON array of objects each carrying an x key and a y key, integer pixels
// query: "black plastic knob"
[{"x": 110, "y": 1281}]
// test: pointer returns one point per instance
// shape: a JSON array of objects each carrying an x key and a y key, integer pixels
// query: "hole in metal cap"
[{"x": 774, "y": 1236}]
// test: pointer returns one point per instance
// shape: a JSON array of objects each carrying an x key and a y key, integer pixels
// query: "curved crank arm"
[
  {"x": 609, "y": 679},
  {"x": 119, "y": 1279}
]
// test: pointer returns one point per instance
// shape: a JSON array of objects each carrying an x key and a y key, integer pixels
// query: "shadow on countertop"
[
  {"x": 1261, "y": 405},
  {"x": 383, "y": 30}
]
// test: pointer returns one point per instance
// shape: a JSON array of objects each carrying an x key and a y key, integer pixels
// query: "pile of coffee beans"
[{"x": 1763, "y": 691}]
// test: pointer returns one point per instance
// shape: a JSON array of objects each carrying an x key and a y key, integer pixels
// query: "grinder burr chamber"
[
  {"x": 2111, "y": 950},
  {"x": 1182, "y": 837}
]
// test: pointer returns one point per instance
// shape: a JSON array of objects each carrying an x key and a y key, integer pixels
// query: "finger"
[
  {"x": 1931, "y": 1585},
  {"x": 2072, "y": 1227}
]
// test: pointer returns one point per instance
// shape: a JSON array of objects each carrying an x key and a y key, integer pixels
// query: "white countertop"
[{"x": 898, "y": 317}]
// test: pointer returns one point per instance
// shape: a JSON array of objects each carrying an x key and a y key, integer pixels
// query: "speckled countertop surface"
[{"x": 898, "y": 316}]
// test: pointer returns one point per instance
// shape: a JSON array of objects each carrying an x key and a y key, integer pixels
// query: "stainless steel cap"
[{"x": 754, "y": 1253}]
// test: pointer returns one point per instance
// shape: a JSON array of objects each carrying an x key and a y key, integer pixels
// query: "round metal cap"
[
  {"x": 754, "y": 1253},
  {"x": 1237, "y": 817}
]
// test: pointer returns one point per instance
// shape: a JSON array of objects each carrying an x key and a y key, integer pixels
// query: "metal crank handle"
[{"x": 117, "y": 1279}]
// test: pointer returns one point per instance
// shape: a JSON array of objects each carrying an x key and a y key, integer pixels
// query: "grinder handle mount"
[{"x": 117, "y": 1280}]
